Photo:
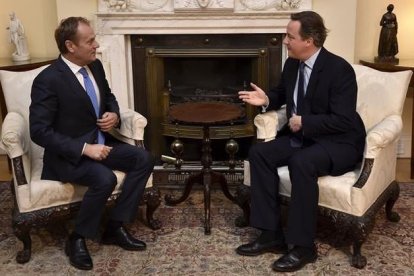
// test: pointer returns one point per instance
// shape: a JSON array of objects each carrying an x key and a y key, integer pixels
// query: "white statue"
[{"x": 18, "y": 38}]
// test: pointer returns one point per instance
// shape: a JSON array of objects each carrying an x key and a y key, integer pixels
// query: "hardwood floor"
[
  {"x": 403, "y": 170},
  {"x": 402, "y": 174},
  {"x": 5, "y": 175}
]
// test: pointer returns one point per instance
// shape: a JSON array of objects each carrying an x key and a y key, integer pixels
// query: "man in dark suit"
[
  {"x": 71, "y": 113},
  {"x": 324, "y": 136}
]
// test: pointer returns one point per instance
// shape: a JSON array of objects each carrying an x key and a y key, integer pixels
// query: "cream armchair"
[
  {"x": 352, "y": 200},
  {"x": 38, "y": 201}
]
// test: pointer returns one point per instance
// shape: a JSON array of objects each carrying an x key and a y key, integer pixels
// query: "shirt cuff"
[{"x": 264, "y": 107}]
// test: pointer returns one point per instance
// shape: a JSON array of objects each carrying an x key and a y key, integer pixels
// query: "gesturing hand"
[{"x": 257, "y": 97}]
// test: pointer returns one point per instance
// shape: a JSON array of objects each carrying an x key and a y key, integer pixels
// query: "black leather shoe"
[
  {"x": 78, "y": 254},
  {"x": 297, "y": 258},
  {"x": 256, "y": 248},
  {"x": 122, "y": 238}
]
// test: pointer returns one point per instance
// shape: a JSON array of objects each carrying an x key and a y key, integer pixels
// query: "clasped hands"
[
  {"x": 258, "y": 97},
  {"x": 100, "y": 152}
]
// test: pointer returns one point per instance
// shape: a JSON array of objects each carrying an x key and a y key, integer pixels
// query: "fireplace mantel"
[{"x": 118, "y": 19}]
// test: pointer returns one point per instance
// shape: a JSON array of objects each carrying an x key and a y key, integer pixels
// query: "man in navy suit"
[
  {"x": 324, "y": 136},
  {"x": 71, "y": 113}
]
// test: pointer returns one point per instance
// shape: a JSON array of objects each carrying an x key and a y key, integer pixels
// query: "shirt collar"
[
  {"x": 73, "y": 67},
  {"x": 311, "y": 61}
]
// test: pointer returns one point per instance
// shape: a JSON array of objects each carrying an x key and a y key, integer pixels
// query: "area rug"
[{"x": 181, "y": 248}]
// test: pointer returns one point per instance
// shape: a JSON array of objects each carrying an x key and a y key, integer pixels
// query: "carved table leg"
[
  {"x": 206, "y": 161},
  {"x": 195, "y": 178},
  {"x": 207, "y": 192},
  {"x": 221, "y": 179}
]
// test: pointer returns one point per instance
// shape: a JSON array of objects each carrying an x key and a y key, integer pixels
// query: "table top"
[
  {"x": 205, "y": 113},
  {"x": 9, "y": 64},
  {"x": 403, "y": 64}
]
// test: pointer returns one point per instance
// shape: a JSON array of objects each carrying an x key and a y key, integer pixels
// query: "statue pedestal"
[
  {"x": 391, "y": 60},
  {"x": 17, "y": 57}
]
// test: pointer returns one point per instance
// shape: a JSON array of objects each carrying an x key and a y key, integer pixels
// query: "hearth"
[{"x": 172, "y": 69}]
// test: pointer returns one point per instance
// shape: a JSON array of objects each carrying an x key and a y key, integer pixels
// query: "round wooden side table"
[{"x": 206, "y": 114}]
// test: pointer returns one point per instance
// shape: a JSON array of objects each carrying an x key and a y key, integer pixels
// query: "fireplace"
[
  {"x": 148, "y": 49},
  {"x": 175, "y": 68}
]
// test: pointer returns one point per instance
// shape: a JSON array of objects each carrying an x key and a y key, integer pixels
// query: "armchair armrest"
[
  {"x": 14, "y": 135},
  {"x": 132, "y": 127},
  {"x": 268, "y": 123},
  {"x": 382, "y": 134}
]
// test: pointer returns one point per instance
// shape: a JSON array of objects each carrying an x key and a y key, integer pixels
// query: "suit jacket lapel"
[
  {"x": 291, "y": 76},
  {"x": 314, "y": 77},
  {"x": 74, "y": 85}
]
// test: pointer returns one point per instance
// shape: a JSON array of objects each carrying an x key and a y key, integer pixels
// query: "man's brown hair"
[
  {"x": 312, "y": 26},
  {"x": 67, "y": 30}
]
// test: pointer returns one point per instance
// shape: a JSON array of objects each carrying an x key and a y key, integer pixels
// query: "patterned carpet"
[{"x": 181, "y": 248}]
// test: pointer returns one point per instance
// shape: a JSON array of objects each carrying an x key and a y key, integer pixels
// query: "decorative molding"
[
  {"x": 118, "y": 5},
  {"x": 172, "y": 6},
  {"x": 118, "y": 19},
  {"x": 263, "y": 5},
  {"x": 127, "y": 6},
  {"x": 203, "y": 5},
  {"x": 288, "y": 4}
]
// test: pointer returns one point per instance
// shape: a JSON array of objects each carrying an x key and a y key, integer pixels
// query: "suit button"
[{"x": 95, "y": 141}]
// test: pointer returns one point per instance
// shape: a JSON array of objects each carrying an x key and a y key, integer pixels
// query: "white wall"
[
  {"x": 369, "y": 13},
  {"x": 39, "y": 20},
  {"x": 340, "y": 19}
]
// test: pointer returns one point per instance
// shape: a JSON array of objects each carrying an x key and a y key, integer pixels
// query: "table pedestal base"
[{"x": 206, "y": 177}]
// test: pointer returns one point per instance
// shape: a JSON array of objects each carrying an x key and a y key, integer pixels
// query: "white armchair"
[
  {"x": 38, "y": 201},
  {"x": 352, "y": 200}
]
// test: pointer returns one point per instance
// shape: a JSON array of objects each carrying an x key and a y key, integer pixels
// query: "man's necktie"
[
  {"x": 301, "y": 89},
  {"x": 296, "y": 139},
  {"x": 90, "y": 90}
]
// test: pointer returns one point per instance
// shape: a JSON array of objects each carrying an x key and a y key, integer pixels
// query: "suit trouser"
[
  {"x": 305, "y": 165},
  {"x": 136, "y": 162}
]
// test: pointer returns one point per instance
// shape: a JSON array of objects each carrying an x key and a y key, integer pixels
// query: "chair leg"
[
  {"x": 360, "y": 228},
  {"x": 22, "y": 232},
  {"x": 394, "y": 194},
  {"x": 358, "y": 260},
  {"x": 152, "y": 199},
  {"x": 242, "y": 199}
]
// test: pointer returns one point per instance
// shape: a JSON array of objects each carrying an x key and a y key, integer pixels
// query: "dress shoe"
[
  {"x": 78, "y": 253},
  {"x": 256, "y": 248},
  {"x": 295, "y": 259},
  {"x": 122, "y": 238}
]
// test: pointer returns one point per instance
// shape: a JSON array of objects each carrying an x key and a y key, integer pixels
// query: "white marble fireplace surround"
[{"x": 118, "y": 19}]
